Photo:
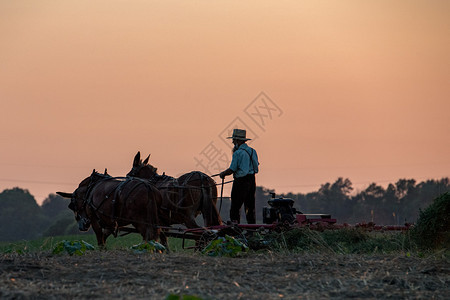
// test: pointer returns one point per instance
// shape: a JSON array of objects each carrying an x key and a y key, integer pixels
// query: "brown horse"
[
  {"x": 184, "y": 198},
  {"x": 109, "y": 204}
]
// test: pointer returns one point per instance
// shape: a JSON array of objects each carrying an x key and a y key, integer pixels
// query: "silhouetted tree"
[
  {"x": 53, "y": 205},
  {"x": 403, "y": 187},
  {"x": 20, "y": 215},
  {"x": 336, "y": 197},
  {"x": 396, "y": 204},
  {"x": 406, "y": 195},
  {"x": 62, "y": 226},
  {"x": 369, "y": 204},
  {"x": 315, "y": 203},
  {"x": 62, "y": 221}
]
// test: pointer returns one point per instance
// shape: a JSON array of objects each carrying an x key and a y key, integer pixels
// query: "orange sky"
[{"x": 360, "y": 88}]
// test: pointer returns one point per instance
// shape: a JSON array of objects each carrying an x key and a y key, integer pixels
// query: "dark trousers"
[{"x": 243, "y": 192}]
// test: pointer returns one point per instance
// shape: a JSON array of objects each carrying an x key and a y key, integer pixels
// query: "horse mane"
[{"x": 95, "y": 176}]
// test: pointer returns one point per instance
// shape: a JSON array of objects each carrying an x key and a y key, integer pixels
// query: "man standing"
[{"x": 244, "y": 166}]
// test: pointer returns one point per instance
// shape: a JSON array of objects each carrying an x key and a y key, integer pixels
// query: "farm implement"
[
  {"x": 279, "y": 216},
  {"x": 112, "y": 205}
]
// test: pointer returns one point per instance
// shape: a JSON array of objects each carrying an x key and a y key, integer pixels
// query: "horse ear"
[
  {"x": 146, "y": 160},
  {"x": 137, "y": 159},
  {"x": 93, "y": 172},
  {"x": 65, "y": 195},
  {"x": 106, "y": 171}
]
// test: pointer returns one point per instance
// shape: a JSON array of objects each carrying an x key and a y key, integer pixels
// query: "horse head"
[
  {"x": 142, "y": 169},
  {"x": 80, "y": 197},
  {"x": 77, "y": 205}
]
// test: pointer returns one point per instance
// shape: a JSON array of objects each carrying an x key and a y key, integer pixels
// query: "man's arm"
[{"x": 226, "y": 173}]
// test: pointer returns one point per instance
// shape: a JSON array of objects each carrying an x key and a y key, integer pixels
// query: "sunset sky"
[{"x": 326, "y": 89}]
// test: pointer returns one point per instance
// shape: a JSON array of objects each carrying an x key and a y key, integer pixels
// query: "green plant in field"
[
  {"x": 72, "y": 247},
  {"x": 148, "y": 247},
  {"x": 22, "y": 247},
  {"x": 15, "y": 249},
  {"x": 49, "y": 243},
  {"x": 432, "y": 230},
  {"x": 225, "y": 246}
]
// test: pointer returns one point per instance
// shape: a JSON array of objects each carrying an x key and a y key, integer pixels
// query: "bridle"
[
  {"x": 152, "y": 176},
  {"x": 87, "y": 197}
]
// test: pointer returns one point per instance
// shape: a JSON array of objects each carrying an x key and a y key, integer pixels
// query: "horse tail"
[{"x": 211, "y": 215}]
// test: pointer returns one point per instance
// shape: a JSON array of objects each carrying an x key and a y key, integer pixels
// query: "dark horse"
[
  {"x": 109, "y": 204},
  {"x": 184, "y": 198}
]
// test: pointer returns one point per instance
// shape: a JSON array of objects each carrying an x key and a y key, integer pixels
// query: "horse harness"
[
  {"x": 115, "y": 193},
  {"x": 169, "y": 185}
]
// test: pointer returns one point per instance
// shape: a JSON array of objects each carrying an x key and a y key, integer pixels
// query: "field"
[{"x": 121, "y": 273}]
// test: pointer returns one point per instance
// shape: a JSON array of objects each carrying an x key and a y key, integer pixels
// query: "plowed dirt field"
[{"x": 126, "y": 275}]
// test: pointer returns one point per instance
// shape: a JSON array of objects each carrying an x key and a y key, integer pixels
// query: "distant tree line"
[
  {"x": 398, "y": 203},
  {"x": 21, "y": 218}
]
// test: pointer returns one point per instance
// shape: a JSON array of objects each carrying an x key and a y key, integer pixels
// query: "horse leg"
[
  {"x": 153, "y": 232},
  {"x": 99, "y": 235},
  {"x": 144, "y": 231},
  {"x": 190, "y": 221},
  {"x": 211, "y": 215},
  {"x": 164, "y": 241},
  {"x": 191, "y": 211},
  {"x": 107, "y": 233},
  {"x": 147, "y": 231},
  {"x": 98, "y": 230}
]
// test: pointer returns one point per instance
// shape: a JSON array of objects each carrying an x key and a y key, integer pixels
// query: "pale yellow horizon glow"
[{"x": 363, "y": 88}]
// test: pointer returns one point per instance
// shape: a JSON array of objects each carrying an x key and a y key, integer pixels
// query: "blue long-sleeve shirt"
[{"x": 241, "y": 164}]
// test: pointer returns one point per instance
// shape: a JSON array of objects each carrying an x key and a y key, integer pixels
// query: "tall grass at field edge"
[{"x": 49, "y": 243}]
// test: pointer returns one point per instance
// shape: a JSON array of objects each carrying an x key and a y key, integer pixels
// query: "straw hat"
[{"x": 239, "y": 134}]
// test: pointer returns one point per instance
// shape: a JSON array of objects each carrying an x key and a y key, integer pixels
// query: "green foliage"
[
  {"x": 20, "y": 216},
  {"x": 22, "y": 247},
  {"x": 64, "y": 225},
  {"x": 49, "y": 243},
  {"x": 148, "y": 247},
  {"x": 54, "y": 205},
  {"x": 61, "y": 218},
  {"x": 72, "y": 247},
  {"x": 432, "y": 230},
  {"x": 225, "y": 246},
  {"x": 12, "y": 248}
]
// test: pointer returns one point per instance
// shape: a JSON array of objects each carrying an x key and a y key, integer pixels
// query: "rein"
[
  {"x": 158, "y": 178},
  {"x": 221, "y": 195},
  {"x": 194, "y": 187}
]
